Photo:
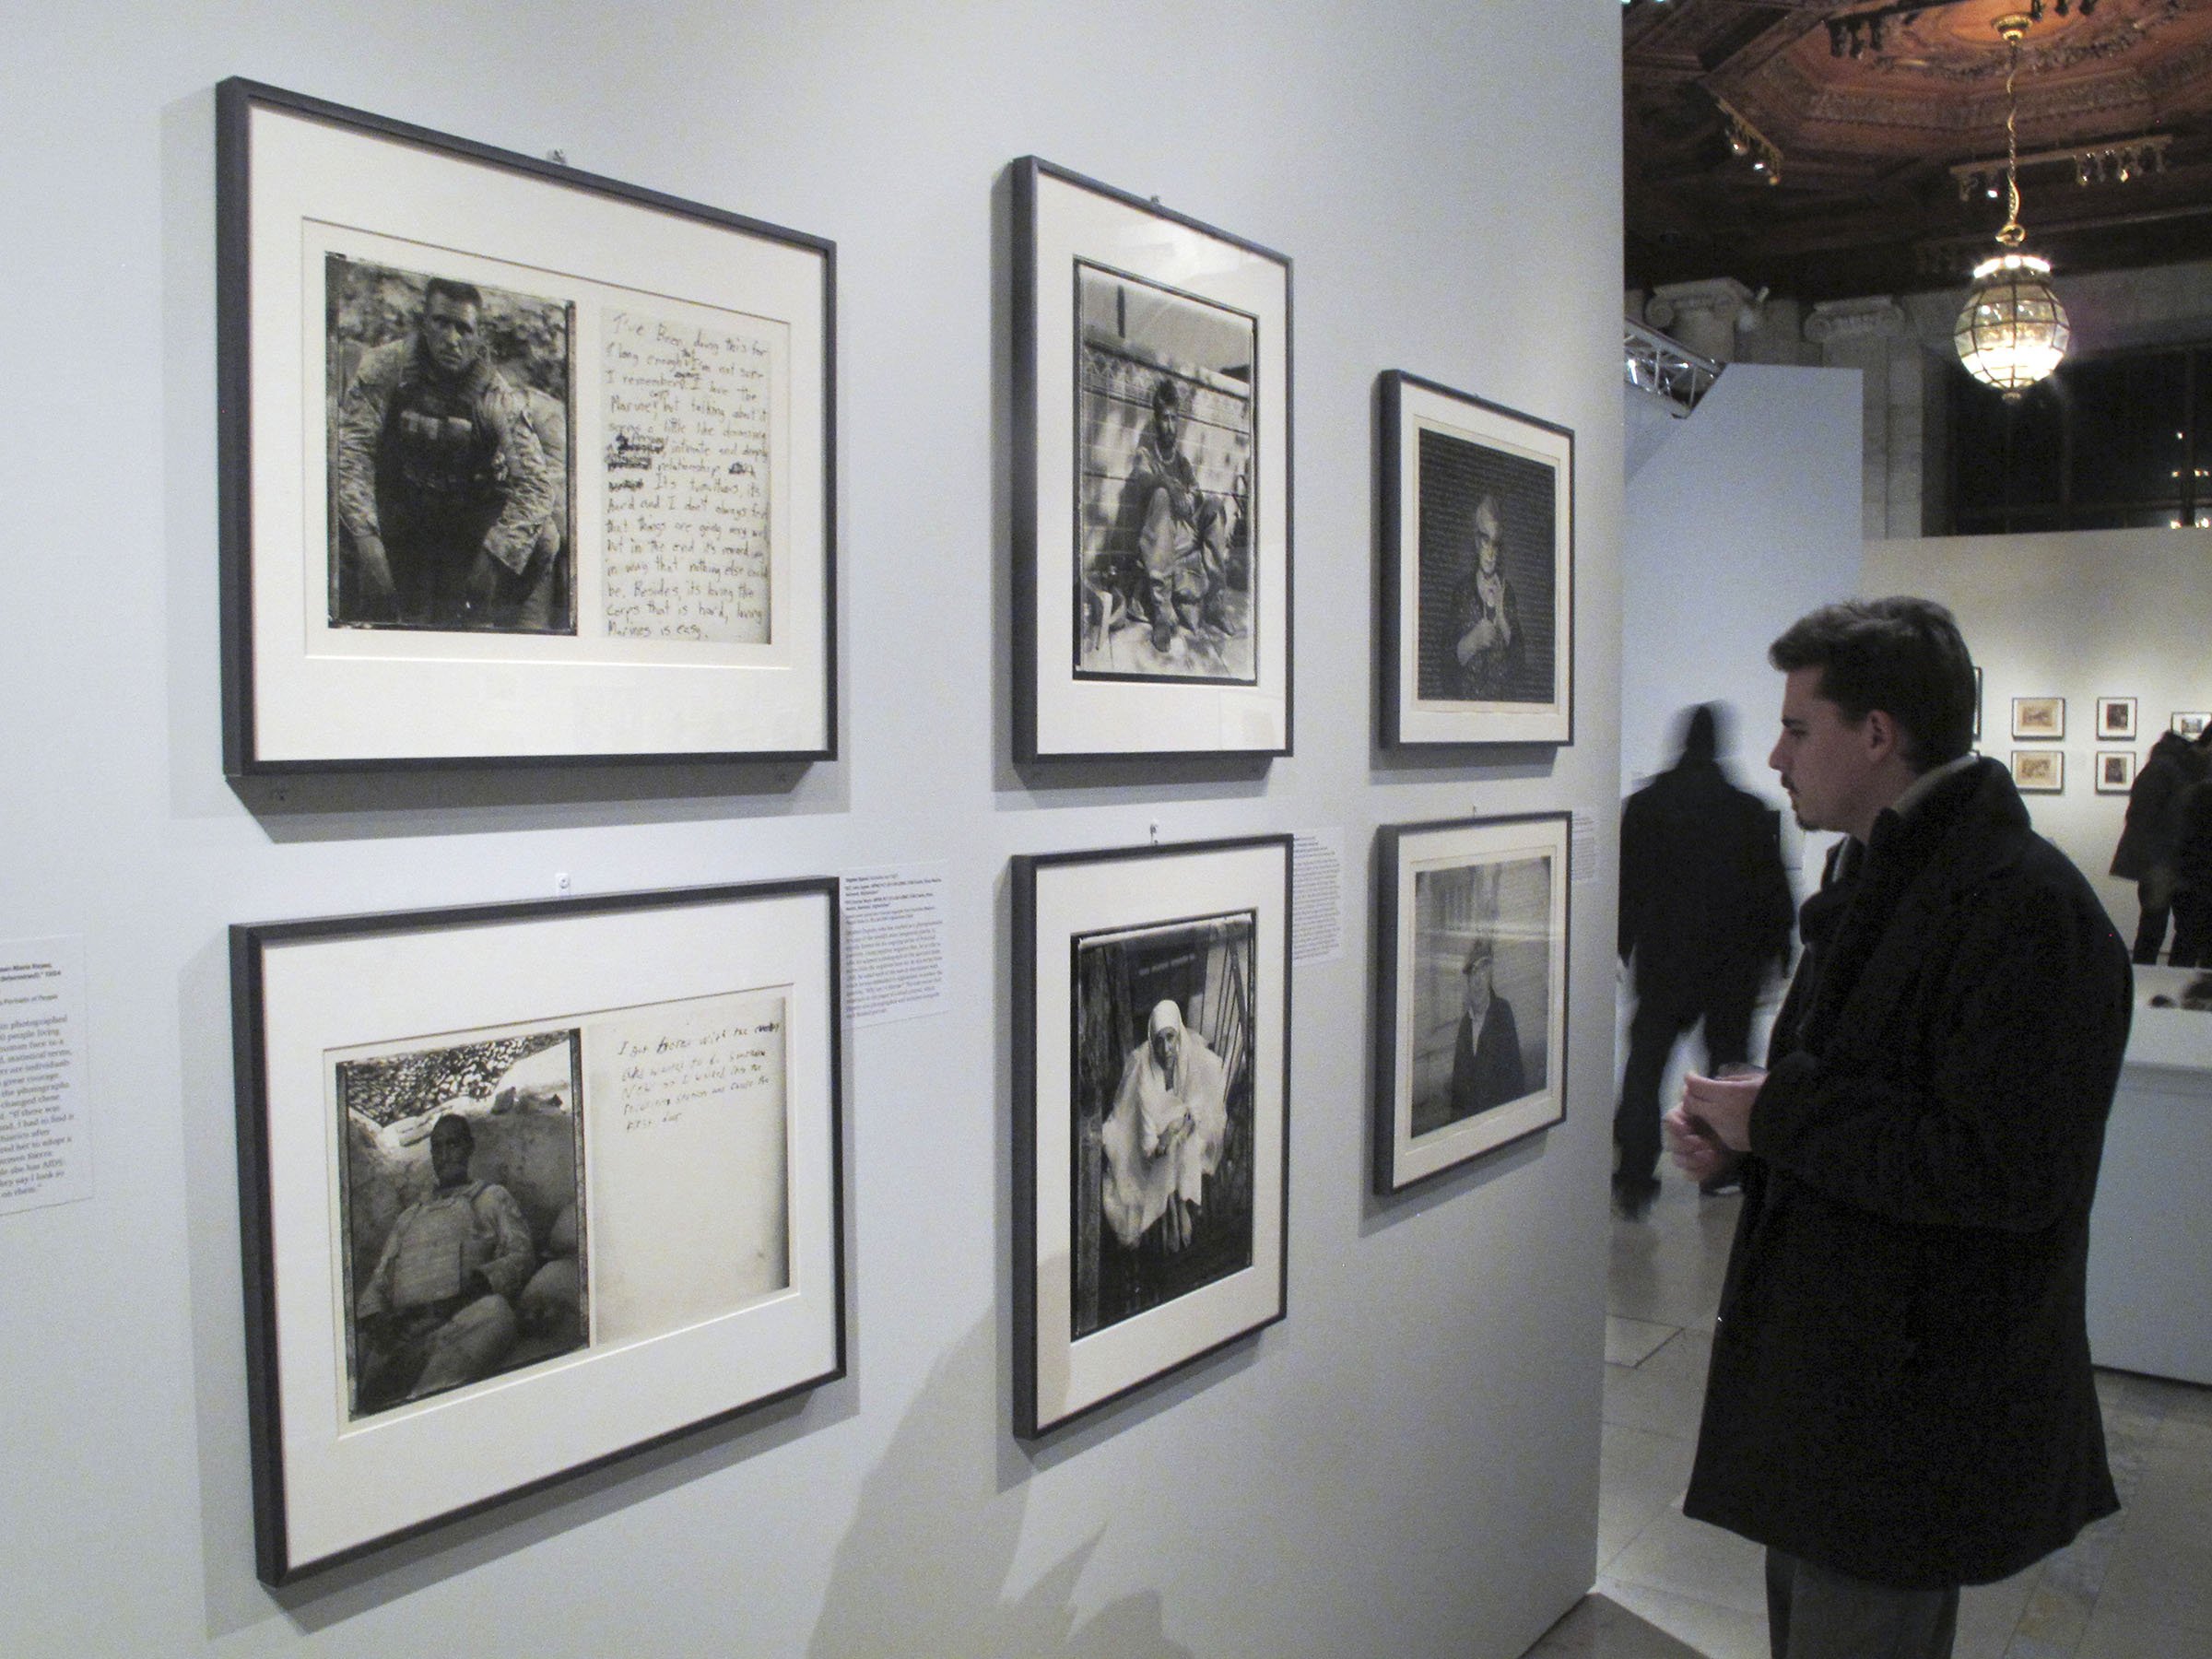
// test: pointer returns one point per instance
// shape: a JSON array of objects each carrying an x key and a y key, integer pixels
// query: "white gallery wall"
[
  {"x": 1737, "y": 520},
  {"x": 2083, "y": 615},
  {"x": 1408, "y": 1463}
]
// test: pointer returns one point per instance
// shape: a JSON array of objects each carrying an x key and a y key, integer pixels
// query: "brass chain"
[{"x": 2012, "y": 236}]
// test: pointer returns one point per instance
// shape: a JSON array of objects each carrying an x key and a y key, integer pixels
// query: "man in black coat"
[
  {"x": 1899, "y": 1400},
  {"x": 2152, "y": 832},
  {"x": 2193, "y": 874},
  {"x": 1705, "y": 915}
]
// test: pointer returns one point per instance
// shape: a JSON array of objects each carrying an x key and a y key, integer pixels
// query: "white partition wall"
[
  {"x": 1407, "y": 1462},
  {"x": 1739, "y": 520}
]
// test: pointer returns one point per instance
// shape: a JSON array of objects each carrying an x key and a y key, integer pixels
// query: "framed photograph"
[
  {"x": 2039, "y": 717},
  {"x": 519, "y": 463},
  {"x": 1977, "y": 702},
  {"x": 1478, "y": 570},
  {"x": 1151, "y": 1090},
  {"x": 2116, "y": 719},
  {"x": 2040, "y": 772},
  {"x": 1151, "y": 478},
  {"x": 2191, "y": 723},
  {"x": 1471, "y": 996},
  {"x": 526, "y": 1187},
  {"x": 2115, "y": 770}
]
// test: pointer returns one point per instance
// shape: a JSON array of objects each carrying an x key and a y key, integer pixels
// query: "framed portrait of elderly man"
[
  {"x": 525, "y": 1187},
  {"x": 1151, "y": 994},
  {"x": 1476, "y": 571},
  {"x": 1151, "y": 476},
  {"x": 519, "y": 464},
  {"x": 1471, "y": 992}
]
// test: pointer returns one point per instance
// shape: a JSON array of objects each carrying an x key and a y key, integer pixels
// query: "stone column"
[
  {"x": 1700, "y": 316},
  {"x": 1865, "y": 334}
]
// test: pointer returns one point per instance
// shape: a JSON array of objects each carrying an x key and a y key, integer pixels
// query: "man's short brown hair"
[{"x": 1902, "y": 656}]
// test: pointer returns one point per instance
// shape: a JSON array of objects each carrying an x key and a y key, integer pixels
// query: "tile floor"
[{"x": 2137, "y": 1586}]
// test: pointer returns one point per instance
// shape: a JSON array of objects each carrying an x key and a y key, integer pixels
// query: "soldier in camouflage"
[{"x": 446, "y": 495}]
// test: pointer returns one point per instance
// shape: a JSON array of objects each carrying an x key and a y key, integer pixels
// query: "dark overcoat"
[
  {"x": 1705, "y": 909},
  {"x": 1900, "y": 1386},
  {"x": 2152, "y": 830}
]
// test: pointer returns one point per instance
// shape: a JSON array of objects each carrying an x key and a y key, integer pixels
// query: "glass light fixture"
[{"x": 2012, "y": 331}]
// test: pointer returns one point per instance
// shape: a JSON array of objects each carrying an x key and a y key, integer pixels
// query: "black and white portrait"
[
  {"x": 1482, "y": 988},
  {"x": 1164, "y": 462},
  {"x": 462, "y": 1206},
  {"x": 448, "y": 407},
  {"x": 1162, "y": 1114},
  {"x": 1486, "y": 573}
]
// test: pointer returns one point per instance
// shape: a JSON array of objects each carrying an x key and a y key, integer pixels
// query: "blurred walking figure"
[
  {"x": 2193, "y": 869},
  {"x": 1705, "y": 916},
  {"x": 2151, "y": 836}
]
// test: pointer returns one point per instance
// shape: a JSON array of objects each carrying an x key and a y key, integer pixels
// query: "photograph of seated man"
[
  {"x": 450, "y": 458},
  {"x": 439, "y": 1310},
  {"x": 463, "y": 1235},
  {"x": 1164, "y": 426}
]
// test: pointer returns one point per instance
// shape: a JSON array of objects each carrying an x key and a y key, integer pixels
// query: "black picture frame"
[
  {"x": 1452, "y": 894},
  {"x": 1152, "y": 553},
  {"x": 649, "y": 1087},
  {"x": 518, "y": 558},
  {"x": 1471, "y": 650},
  {"x": 1151, "y": 1192}
]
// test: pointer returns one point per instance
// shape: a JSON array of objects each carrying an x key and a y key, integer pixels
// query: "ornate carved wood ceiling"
[{"x": 1868, "y": 201}]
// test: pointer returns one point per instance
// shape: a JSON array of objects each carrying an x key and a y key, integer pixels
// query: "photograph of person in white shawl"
[{"x": 1163, "y": 1113}]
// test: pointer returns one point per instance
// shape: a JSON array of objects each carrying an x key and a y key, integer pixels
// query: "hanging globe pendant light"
[{"x": 2012, "y": 332}]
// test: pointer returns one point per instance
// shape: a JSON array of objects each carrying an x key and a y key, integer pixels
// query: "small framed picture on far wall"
[
  {"x": 2040, "y": 772},
  {"x": 2116, "y": 719},
  {"x": 2115, "y": 770},
  {"x": 2039, "y": 717},
  {"x": 2191, "y": 723}
]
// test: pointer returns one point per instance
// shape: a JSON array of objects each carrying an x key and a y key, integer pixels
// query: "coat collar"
[{"x": 1973, "y": 816}]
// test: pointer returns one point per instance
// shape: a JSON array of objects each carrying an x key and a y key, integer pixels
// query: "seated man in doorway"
[
  {"x": 438, "y": 1309},
  {"x": 1181, "y": 536},
  {"x": 1165, "y": 1134}
]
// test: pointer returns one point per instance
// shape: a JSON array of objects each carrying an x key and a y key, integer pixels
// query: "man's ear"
[{"x": 1882, "y": 735}]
